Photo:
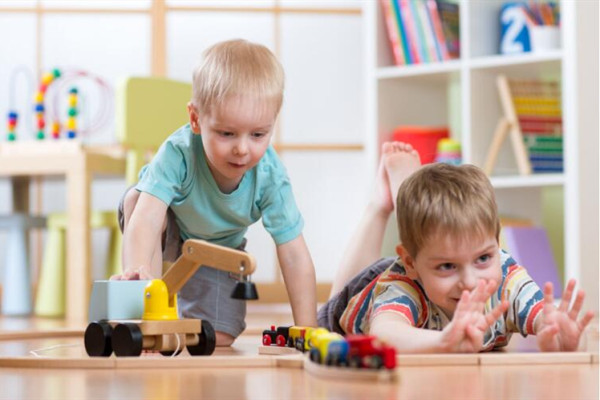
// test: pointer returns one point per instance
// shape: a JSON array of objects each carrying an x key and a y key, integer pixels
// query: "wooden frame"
[{"x": 508, "y": 123}]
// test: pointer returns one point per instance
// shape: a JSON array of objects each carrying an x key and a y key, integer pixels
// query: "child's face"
[
  {"x": 446, "y": 266},
  {"x": 235, "y": 137}
]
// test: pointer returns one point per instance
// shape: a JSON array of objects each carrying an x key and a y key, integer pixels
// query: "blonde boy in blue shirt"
[{"x": 213, "y": 178}]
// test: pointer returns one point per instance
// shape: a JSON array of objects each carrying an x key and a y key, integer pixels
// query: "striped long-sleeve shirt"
[{"x": 394, "y": 291}]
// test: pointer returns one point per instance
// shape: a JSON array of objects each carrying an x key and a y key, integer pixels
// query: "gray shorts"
[{"x": 207, "y": 294}]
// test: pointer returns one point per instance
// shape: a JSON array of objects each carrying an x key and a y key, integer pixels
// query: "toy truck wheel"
[
  {"x": 266, "y": 340},
  {"x": 280, "y": 340},
  {"x": 207, "y": 340},
  {"x": 97, "y": 339},
  {"x": 127, "y": 340}
]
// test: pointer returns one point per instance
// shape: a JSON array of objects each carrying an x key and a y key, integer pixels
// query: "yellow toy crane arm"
[{"x": 196, "y": 253}]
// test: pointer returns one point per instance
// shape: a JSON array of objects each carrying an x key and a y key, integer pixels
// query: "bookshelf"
[{"x": 462, "y": 94}]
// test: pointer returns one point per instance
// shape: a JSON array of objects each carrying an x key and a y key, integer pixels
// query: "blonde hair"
[
  {"x": 445, "y": 199},
  {"x": 237, "y": 68}
]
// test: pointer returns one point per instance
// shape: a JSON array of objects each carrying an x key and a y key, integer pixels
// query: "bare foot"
[
  {"x": 399, "y": 163},
  {"x": 382, "y": 197}
]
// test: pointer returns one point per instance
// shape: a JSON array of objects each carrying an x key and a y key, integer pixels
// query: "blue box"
[{"x": 117, "y": 300}]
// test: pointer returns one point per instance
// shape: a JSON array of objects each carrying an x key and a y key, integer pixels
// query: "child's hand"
[
  {"x": 140, "y": 273},
  {"x": 559, "y": 329},
  {"x": 465, "y": 332}
]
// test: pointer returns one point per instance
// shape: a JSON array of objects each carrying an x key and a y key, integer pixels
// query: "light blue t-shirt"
[{"x": 179, "y": 176}]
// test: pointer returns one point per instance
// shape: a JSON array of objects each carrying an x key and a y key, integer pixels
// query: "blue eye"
[
  {"x": 226, "y": 134},
  {"x": 446, "y": 267},
  {"x": 258, "y": 135},
  {"x": 484, "y": 258}
]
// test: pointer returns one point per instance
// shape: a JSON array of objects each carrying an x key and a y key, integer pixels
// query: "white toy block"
[{"x": 117, "y": 300}]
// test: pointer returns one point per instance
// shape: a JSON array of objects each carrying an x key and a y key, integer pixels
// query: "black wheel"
[
  {"x": 207, "y": 340},
  {"x": 97, "y": 339},
  {"x": 376, "y": 362},
  {"x": 290, "y": 342},
  {"x": 354, "y": 362},
  {"x": 127, "y": 340}
]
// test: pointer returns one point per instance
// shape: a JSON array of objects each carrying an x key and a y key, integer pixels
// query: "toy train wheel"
[
  {"x": 97, "y": 339},
  {"x": 376, "y": 362},
  {"x": 207, "y": 340},
  {"x": 354, "y": 362},
  {"x": 280, "y": 340},
  {"x": 266, "y": 340},
  {"x": 127, "y": 340},
  {"x": 290, "y": 342},
  {"x": 315, "y": 356}
]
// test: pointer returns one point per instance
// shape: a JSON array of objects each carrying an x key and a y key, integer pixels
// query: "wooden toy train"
[
  {"x": 160, "y": 328},
  {"x": 329, "y": 348}
]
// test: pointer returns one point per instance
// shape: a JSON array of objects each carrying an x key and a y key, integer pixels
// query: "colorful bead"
[
  {"x": 40, "y": 135},
  {"x": 47, "y": 78},
  {"x": 11, "y": 137},
  {"x": 56, "y": 72},
  {"x": 71, "y": 134}
]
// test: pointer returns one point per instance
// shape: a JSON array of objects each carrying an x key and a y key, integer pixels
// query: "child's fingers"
[
  {"x": 496, "y": 313},
  {"x": 585, "y": 320},
  {"x": 566, "y": 296},
  {"x": 549, "y": 294},
  {"x": 577, "y": 304},
  {"x": 464, "y": 301},
  {"x": 546, "y": 337},
  {"x": 478, "y": 295}
]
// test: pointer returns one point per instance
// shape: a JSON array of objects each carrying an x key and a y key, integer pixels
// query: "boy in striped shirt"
[{"x": 451, "y": 289}]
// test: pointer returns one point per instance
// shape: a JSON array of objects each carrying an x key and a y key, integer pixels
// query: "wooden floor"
[{"x": 558, "y": 380}]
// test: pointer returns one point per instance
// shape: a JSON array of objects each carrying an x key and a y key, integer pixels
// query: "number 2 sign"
[{"x": 514, "y": 36}]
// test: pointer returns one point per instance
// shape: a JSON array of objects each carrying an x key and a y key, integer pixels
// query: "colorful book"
[
  {"x": 436, "y": 23},
  {"x": 402, "y": 32},
  {"x": 411, "y": 30},
  {"x": 428, "y": 31},
  {"x": 450, "y": 17},
  {"x": 392, "y": 31},
  {"x": 530, "y": 247},
  {"x": 421, "y": 40}
]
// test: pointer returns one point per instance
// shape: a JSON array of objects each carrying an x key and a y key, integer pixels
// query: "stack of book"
[
  {"x": 538, "y": 107},
  {"x": 422, "y": 31}
]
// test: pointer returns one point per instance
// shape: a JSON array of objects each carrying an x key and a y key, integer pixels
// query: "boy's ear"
[
  {"x": 194, "y": 118},
  {"x": 408, "y": 261}
]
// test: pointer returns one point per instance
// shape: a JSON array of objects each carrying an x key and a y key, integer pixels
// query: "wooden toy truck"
[{"x": 160, "y": 329}]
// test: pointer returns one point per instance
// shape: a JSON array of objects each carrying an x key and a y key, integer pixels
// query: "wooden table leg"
[
  {"x": 78, "y": 274},
  {"x": 20, "y": 194}
]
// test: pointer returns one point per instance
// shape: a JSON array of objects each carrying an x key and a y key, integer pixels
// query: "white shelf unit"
[{"x": 462, "y": 94}]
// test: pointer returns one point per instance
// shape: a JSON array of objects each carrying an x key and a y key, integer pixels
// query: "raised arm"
[{"x": 464, "y": 334}]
